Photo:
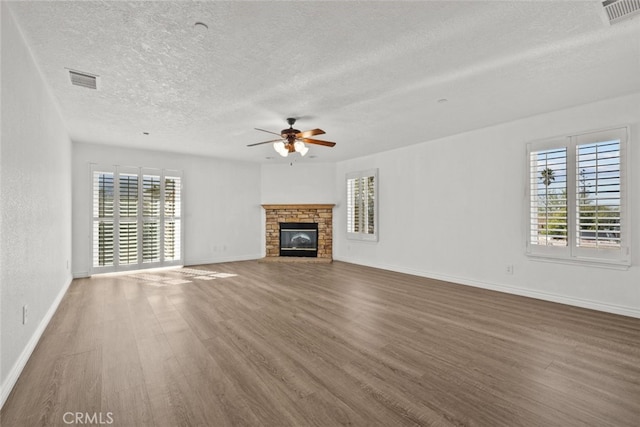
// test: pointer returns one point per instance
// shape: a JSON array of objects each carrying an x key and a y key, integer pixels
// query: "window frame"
[
  {"x": 363, "y": 235},
  {"x": 573, "y": 252}
]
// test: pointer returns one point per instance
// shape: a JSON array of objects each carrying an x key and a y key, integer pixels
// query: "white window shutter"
[{"x": 362, "y": 208}]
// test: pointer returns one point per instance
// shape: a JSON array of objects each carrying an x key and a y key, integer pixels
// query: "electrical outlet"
[
  {"x": 510, "y": 269},
  {"x": 25, "y": 314}
]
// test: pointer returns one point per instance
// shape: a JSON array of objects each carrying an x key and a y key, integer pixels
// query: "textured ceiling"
[{"x": 369, "y": 73}]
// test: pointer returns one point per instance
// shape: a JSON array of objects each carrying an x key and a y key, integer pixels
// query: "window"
[
  {"x": 578, "y": 197},
  {"x": 362, "y": 205},
  {"x": 136, "y": 217}
]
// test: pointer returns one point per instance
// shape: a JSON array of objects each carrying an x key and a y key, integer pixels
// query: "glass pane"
[
  {"x": 357, "y": 205},
  {"x": 369, "y": 192},
  {"x": 548, "y": 184},
  {"x": 102, "y": 194},
  {"x": 128, "y": 246},
  {"x": 172, "y": 240},
  {"x": 103, "y": 203},
  {"x": 151, "y": 242},
  {"x": 598, "y": 195},
  {"x": 102, "y": 243},
  {"x": 172, "y": 196},
  {"x": 151, "y": 196},
  {"x": 128, "y": 195},
  {"x": 352, "y": 196}
]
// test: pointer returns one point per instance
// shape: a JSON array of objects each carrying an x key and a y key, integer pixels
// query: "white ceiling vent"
[
  {"x": 618, "y": 10},
  {"x": 83, "y": 79}
]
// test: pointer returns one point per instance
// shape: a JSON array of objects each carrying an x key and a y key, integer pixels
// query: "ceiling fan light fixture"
[
  {"x": 280, "y": 148},
  {"x": 301, "y": 148}
]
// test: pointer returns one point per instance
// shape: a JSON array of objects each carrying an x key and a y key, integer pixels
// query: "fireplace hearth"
[{"x": 299, "y": 239}]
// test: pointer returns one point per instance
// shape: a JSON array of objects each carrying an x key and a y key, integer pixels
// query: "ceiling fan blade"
[
  {"x": 267, "y": 131},
  {"x": 308, "y": 133},
  {"x": 264, "y": 142},
  {"x": 317, "y": 141}
]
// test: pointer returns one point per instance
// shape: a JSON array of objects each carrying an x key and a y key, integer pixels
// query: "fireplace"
[
  {"x": 299, "y": 239},
  {"x": 320, "y": 214}
]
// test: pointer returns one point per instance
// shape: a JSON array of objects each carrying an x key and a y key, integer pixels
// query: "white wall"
[
  {"x": 221, "y": 203},
  {"x": 298, "y": 183},
  {"x": 35, "y": 204},
  {"x": 453, "y": 209}
]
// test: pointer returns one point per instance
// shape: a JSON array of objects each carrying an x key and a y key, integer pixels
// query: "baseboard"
[
  {"x": 17, "y": 368},
  {"x": 190, "y": 262},
  {"x": 562, "y": 299},
  {"x": 217, "y": 260}
]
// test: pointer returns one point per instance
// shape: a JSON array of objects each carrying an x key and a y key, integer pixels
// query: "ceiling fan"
[{"x": 292, "y": 140}]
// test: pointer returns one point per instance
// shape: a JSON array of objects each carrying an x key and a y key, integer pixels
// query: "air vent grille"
[
  {"x": 618, "y": 10},
  {"x": 83, "y": 79}
]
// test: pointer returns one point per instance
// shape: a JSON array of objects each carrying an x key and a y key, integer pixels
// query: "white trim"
[
  {"x": 217, "y": 260},
  {"x": 584, "y": 261},
  {"x": 545, "y": 296},
  {"x": 21, "y": 362},
  {"x": 141, "y": 270},
  {"x": 81, "y": 274}
]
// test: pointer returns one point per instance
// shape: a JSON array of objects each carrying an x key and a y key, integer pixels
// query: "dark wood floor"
[{"x": 324, "y": 344}]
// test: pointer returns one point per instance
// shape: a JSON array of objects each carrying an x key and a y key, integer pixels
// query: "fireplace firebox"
[{"x": 299, "y": 239}]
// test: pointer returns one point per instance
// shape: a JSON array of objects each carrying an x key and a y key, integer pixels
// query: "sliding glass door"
[{"x": 136, "y": 218}]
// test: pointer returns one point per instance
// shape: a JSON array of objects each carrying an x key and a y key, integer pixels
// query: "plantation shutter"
[
  {"x": 353, "y": 205},
  {"x": 601, "y": 203},
  {"x": 368, "y": 203},
  {"x": 136, "y": 218},
  {"x": 172, "y": 218},
  {"x": 151, "y": 218},
  {"x": 361, "y": 205},
  {"x": 599, "y": 199},
  {"x": 128, "y": 218},
  {"x": 548, "y": 197},
  {"x": 103, "y": 218}
]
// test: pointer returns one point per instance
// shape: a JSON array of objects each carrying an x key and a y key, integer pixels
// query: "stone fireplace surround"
[{"x": 322, "y": 214}]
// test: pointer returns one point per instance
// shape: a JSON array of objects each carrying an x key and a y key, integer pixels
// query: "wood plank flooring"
[{"x": 323, "y": 345}]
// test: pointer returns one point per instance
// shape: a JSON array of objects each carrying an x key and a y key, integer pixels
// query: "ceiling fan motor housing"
[{"x": 289, "y": 134}]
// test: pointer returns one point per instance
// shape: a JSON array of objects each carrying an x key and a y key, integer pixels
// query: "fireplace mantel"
[
  {"x": 320, "y": 213},
  {"x": 298, "y": 206}
]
